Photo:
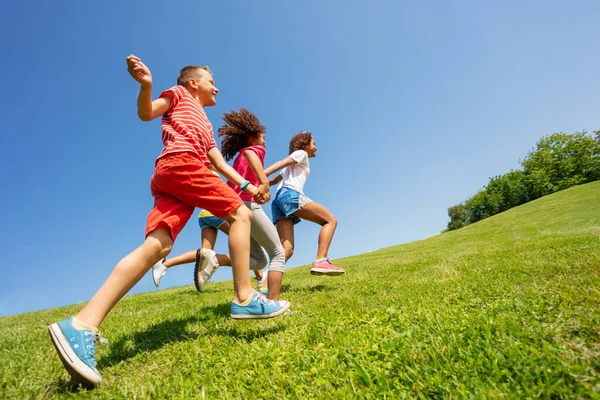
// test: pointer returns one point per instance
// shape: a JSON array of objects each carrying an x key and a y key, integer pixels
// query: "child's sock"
[
  {"x": 82, "y": 326},
  {"x": 247, "y": 302},
  {"x": 318, "y": 260}
]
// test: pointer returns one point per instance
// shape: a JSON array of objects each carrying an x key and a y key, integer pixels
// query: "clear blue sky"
[{"x": 413, "y": 104}]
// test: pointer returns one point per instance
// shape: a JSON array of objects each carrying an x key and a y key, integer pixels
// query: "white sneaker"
[
  {"x": 260, "y": 282},
  {"x": 206, "y": 265},
  {"x": 158, "y": 271}
]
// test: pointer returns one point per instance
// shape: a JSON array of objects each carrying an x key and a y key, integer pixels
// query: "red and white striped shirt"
[{"x": 185, "y": 127}]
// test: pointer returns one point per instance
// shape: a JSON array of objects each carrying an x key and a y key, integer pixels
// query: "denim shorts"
[
  {"x": 210, "y": 222},
  {"x": 287, "y": 201}
]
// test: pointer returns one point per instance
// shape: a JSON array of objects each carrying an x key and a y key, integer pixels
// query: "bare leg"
[
  {"x": 209, "y": 238},
  {"x": 285, "y": 230},
  {"x": 239, "y": 252},
  {"x": 318, "y": 214},
  {"x": 185, "y": 258},
  {"x": 125, "y": 275}
]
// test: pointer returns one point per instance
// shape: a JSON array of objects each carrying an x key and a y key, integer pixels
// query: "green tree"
[
  {"x": 562, "y": 160},
  {"x": 508, "y": 190},
  {"x": 459, "y": 216}
]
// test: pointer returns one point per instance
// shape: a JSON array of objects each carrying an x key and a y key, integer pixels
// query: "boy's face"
[
  {"x": 311, "y": 149},
  {"x": 204, "y": 88}
]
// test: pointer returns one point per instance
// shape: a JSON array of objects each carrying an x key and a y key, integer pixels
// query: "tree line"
[{"x": 557, "y": 162}]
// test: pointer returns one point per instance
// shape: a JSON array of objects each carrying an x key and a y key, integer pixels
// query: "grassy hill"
[{"x": 508, "y": 307}]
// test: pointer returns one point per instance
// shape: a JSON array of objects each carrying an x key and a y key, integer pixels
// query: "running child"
[
  {"x": 181, "y": 182},
  {"x": 206, "y": 260},
  {"x": 291, "y": 205},
  {"x": 243, "y": 135}
]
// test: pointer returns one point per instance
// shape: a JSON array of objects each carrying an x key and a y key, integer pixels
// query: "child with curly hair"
[
  {"x": 291, "y": 205},
  {"x": 244, "y": 135}
]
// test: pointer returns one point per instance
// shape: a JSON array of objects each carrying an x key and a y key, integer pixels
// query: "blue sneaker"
[
  {"x": 259, "y": 308},
  {"x": 77, "y": 350}
]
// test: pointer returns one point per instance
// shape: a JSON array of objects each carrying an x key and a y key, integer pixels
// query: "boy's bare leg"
[
  {"x": 239, "y": 252},
  {"x": 126, "y": 274}
]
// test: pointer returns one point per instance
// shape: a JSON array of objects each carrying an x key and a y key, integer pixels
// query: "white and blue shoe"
[
  {"x": 259, "y": 308},
  {"x": 77, "y": 351}
]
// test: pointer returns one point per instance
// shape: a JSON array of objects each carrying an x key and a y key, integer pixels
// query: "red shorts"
[{"x": 180, "y": 183}]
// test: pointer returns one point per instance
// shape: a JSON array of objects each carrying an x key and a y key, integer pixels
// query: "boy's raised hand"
[{"x": 138, "y": 70}]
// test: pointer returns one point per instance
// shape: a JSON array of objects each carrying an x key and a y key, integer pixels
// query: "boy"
[{"x": 181, "y": 182}]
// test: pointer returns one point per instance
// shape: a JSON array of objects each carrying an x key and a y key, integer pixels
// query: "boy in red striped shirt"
[{"x": 181, "y": 182}]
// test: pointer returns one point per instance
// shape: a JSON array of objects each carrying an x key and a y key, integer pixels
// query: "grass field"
[{"x": 505, "y": 308}]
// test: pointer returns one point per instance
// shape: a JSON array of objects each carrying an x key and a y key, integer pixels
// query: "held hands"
[
  {"x": 138, "y": 70},
  {"x": 261, "y": 193}
]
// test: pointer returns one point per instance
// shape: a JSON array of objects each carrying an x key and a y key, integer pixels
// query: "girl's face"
[
  {"x": 257, "y": 141},
  {"x": 311, "y": 149}
]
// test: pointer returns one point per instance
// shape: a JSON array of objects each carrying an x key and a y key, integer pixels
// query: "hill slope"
[{"x": 507, "y": 307}]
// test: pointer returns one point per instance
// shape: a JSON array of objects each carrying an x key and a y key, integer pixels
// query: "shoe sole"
[
  {"x": 198, "y": 282},
  {"x": 327, "y": 272},
  {"x": 263, "y": 316},
  {"x": 78, "y": 370}
]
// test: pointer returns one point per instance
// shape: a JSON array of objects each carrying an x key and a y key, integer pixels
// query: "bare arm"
[
  {"x": 216, "y": 159},
  {"x": 147, "y": 109},
  {"x": 275, "y": 181},
  {"x": 256, "y": 166},
  {"x": 279, "y": 165}
]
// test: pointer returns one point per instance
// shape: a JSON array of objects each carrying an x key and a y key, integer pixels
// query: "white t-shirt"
[{"x": 295, "y": 175}]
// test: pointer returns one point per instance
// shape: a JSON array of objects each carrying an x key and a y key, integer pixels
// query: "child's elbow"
[{"x": 144, "y": 116}]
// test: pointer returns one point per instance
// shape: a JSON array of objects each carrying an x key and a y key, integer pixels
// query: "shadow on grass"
[
  {"x": 159, "y": 335},
  {"x": 309, "y": 289},
  {"x": 64, "y": 386}
]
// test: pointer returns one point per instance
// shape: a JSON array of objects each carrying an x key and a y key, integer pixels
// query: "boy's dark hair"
[
  {"x": 189, "y": 72},
  {"x": 239, "y": 126},
  {"x": 300, "y": 141}
]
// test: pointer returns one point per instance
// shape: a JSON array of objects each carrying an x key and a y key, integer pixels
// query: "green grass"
[{"x": 505, "y": 308}]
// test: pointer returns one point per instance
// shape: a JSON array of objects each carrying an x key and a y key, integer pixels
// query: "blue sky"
[{"x": 413, "y": 104}]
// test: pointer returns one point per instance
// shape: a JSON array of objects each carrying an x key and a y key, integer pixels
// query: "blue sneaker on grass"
[
  {"x": 259, "y": 308},
  {"x": 77, "y": 350}
]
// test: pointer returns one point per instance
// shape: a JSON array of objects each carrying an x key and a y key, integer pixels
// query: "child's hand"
[
  {"x": 139, "y": 71},
  {"x": 263, "y": 193},
  {"x": 259, "y": 196}
]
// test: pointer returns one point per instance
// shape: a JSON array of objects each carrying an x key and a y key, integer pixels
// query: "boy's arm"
[
  {"x": 256, "y": 165},
  {"x": 147, "y": 109},
  {"x": 216, "y": 159},
  {"x": 279, "y": 165}
]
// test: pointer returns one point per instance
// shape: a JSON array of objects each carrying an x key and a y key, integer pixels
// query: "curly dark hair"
[
  {"x": 239, "y": 126},
  {"x": 300, "y": 141}
]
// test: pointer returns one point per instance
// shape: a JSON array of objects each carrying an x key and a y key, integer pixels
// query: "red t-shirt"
[
  {"x": 241, "y": 166},
  {"x": 185, "y": 126}
]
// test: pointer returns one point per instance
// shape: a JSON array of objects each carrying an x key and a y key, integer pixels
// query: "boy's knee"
[
  {"x": 160, "y": 250},
  {"x": 242, "y": 214},
  {"x": 159, "y": 243}
]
